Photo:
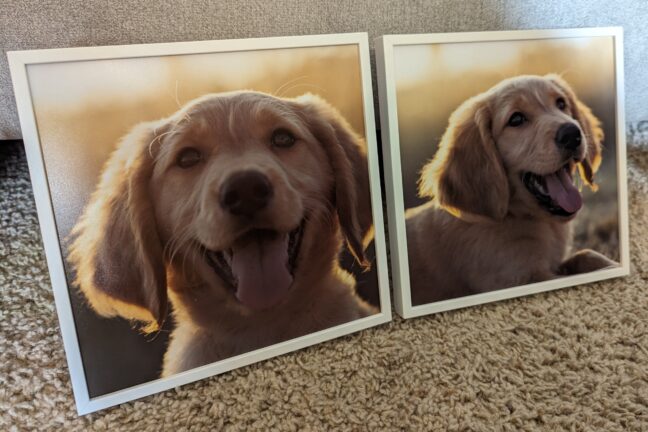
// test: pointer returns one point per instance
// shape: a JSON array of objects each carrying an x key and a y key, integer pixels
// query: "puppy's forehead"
[
  {"x": 526, "y": 94},
  {"x": 236, "y": 116},
  {"x": 529, "y": 91},
  {"x": 246, "y": 105}
]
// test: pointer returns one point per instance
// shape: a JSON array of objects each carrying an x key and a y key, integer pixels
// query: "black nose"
[
  {"x": 568, "y": 136},
  {"x": 244, "y": 193}
]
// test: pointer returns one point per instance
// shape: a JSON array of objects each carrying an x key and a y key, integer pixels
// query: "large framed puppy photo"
[
  {"x": 505, "y": 163},
  {"x": 203, "y": 205}
]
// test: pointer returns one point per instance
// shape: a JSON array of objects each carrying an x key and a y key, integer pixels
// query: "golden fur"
[
  {"x": 482, "y": 229},
  {"x": 143, "y": 235}
]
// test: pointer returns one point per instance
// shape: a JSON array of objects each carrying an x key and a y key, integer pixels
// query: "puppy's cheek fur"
[
  {"x": 532, "y": 149},
  {"x": 287, "y": 208}
]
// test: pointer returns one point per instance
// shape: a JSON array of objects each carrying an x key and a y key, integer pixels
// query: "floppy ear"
[
  {"x": 115, "y": 250},
  {"x": 466, "y": 175},
  {"x": 347, "y": 154},
  {"x": 592, "y": 129}
]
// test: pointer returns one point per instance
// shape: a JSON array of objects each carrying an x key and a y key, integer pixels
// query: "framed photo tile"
[
  {"x": 505, "y": 163},
  {"x": 203, "y": 205}
]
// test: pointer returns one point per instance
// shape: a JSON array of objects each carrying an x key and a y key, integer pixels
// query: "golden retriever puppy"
[
  {"x": 502, "y": 192},
  {"x": 234, "y": 208}
]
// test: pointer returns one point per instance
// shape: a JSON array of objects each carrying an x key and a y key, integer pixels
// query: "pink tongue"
[
  {"x": 261, "y": 269},
  {"x": 563, "y": 192}
]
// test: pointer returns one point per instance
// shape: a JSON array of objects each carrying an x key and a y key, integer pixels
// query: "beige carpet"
[{"x": 575, "y": 359}]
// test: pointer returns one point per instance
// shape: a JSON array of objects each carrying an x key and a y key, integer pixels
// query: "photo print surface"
[
  {"x": 509, "y": 156},
  {"x": 210, "y": 204}
]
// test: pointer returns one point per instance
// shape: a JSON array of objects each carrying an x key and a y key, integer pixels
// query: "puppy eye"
[
  {"x": 561, "y": 104},
  {"x": 282, "y": 138},
  {"x": 188, "y": 157},
  {"x": 517, "y": 119}
]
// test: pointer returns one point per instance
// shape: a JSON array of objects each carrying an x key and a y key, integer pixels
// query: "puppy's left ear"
[
  {"x": 591, "y": 127},
  {"x": 347, "y": 154},
  {"x": 115, "y": 250}
]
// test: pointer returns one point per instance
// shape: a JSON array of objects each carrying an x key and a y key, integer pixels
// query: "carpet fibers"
[{"x": 574, "y": 359}]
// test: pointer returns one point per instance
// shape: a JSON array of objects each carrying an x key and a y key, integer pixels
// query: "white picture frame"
[
  {"x": 21, "y": 61},
  {"x": 389, "y": 116}
]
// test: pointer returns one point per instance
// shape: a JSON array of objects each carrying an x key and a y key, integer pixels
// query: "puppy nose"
[
  {"x": 245, "y": 193},
  {"x": 568, "y": 136}
]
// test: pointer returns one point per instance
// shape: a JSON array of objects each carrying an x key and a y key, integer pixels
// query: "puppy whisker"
[
  {"x": 320, "y": 90},
  {"x": 276, "y": 92}
]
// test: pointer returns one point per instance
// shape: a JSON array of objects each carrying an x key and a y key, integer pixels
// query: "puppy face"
[
  {"x": 236, "y": 195},
  {"x": 239, "y": 175},
  {"x": 515, "y": 149},
  {"x": 529, "y": 123},
  {"x": 540, "y": 140}
]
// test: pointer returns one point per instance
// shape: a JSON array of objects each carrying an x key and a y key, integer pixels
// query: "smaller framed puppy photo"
[
  {"x": 505, "y": 163},
  {"x": 203, "y": 205}
]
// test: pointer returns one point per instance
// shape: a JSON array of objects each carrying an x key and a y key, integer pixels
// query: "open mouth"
[
  {"x": 260, "y": 266},
  {"x": 555, "y": 192}
]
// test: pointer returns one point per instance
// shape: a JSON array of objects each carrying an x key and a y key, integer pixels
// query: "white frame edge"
[
  {"x": 18, "y": 62},
  {"x": 393, "y": 173}
]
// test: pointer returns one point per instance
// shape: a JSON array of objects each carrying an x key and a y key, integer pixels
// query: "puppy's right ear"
[
  {"x": 116, "y": 251},
  {"x": 592, "y": 130},
  {"x": 466, "y": 175}
]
